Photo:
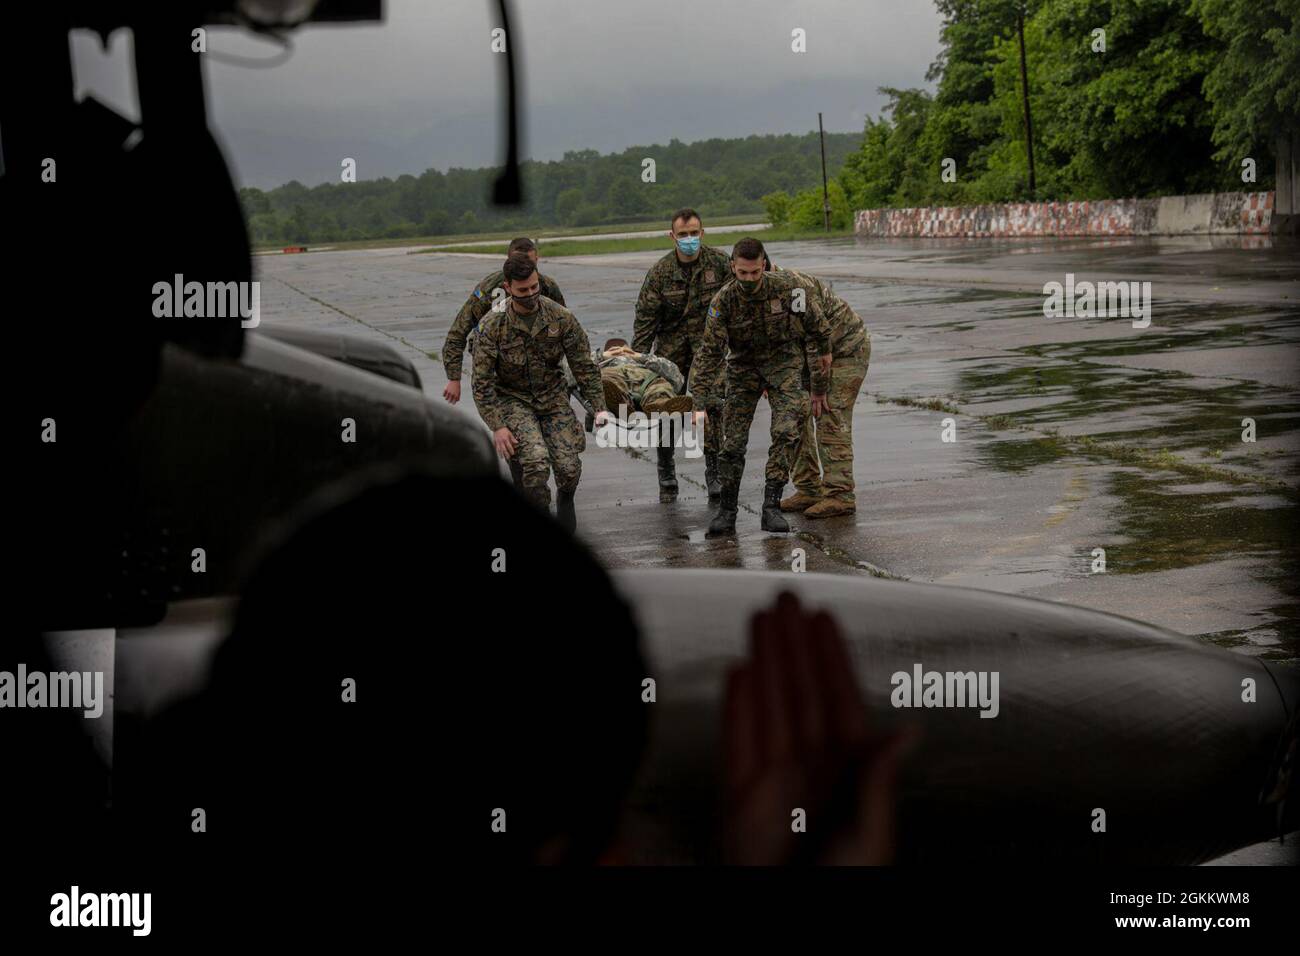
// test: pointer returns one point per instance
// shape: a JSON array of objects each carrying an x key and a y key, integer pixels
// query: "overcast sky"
[{"x": 422, "y": 89}]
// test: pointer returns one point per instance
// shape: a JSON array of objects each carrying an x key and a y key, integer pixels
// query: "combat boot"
[
  {"x": 667, "y": 475},
  {"x": 564, "y": 512},
  {"x": 724, "y": 522},
  {"x": 673, "y": 404},
  {"x": 772, "y": 517},
  {"x": 799, "y": 502},
  {"x": 830, "y": 508},
  {"x": 711, "y": 480}
]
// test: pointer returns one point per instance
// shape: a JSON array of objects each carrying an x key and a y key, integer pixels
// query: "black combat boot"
[
  {"x": 564, "y": 512},
  {"x": 711, "y": 476},
  {"x": 773, "y": 520},
  {"x": 667, "y": 475},
  {"x": 724, "y": 522}
]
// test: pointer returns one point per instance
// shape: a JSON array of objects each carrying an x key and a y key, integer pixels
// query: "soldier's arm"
[
  {"x": 578, "y": 351},
  {"x": 817, "y": 341},
  {"x": 556, "y": 295},
  {"x": 575, "y": 391},
  {"x": 470, "y": 314},
  {"x": 706, "y": 371},
  {"x": 648, "y": 305},
  {"x": 485, "y": 378}
]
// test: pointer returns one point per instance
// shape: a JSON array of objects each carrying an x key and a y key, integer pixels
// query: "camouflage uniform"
[
  {"x": 670, "y": 314},
  {"x": 832, "y": 442},
  {"x": 519, "y": 384},
  {"x": 638, "y": 381},
  {"x": 471, "y": 314},
  {"x": 763, "y": 341}
]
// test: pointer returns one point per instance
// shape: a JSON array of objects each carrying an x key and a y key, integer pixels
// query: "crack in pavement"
[{"x": 349, "y": 315}]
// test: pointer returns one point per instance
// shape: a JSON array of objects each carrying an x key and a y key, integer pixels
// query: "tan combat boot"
[
  {"x": 799, "y": 501},
  {"x": 830, "y": 508},
  {"x": 678, "y": 404}
]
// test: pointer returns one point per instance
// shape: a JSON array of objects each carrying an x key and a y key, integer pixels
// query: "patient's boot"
[{"x": 676, "y": 404}]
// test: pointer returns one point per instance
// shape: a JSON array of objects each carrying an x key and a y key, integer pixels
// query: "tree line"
[
  {"x": 1126, "y": 98},
  {"x": 719, "y": 177}
]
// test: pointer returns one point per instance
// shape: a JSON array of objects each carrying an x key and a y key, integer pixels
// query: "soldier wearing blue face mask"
[{"x": 670, "y": 314}]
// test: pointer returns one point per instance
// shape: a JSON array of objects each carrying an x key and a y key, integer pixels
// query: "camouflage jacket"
[
  {"x": 519, "y": 357},
  {"x": 655, "y": 363},
  {"x": 471, "y": 314},
  {"x": 776, "y": 332},
  {"x": 848, "y": 333},
  {"x": 670, "y": 306}
]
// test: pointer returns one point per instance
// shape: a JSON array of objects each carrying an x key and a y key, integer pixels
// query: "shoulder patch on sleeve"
[
  {"x": 713, "y": 311},
  {"x": 478, "y": 293}
]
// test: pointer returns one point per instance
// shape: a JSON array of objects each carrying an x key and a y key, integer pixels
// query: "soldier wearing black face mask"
[
  {"x": 521, "y": 391},
  {"x": 485, "y": 297}
]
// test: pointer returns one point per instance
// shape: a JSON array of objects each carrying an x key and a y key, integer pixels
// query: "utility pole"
[
  {"x": 1024, "y": 89},
  {"x": 826, "y": 199}
]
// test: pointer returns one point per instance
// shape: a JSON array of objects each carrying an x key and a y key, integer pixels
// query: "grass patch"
[
  {"x": 504, "y": 236},
  {"x": 933, "y": 403},
  {"x": 598, "y": 247},
  {"x": 998, "y": 422}
]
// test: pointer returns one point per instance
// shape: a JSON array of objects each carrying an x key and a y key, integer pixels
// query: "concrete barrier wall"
[{"x": 1244, "y": 213}]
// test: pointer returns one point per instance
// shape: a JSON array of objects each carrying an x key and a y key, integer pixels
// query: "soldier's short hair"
[
  {"x": 523, "y": 245},
  {"x": 518, "y": 267},
  {"x": 748, "y": 248},
  {"x": 613, "y": 344},
  {"x": 686, "y": 213}
]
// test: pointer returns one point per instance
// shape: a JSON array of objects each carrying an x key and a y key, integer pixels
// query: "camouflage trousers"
[
  {"x": 790, "y": 408},
  {"x": 679, "y": 352},
  {"x": 545, "y": 442},
  {"x": 633, "y": 387},
  {"x": 828, "y": 440}
]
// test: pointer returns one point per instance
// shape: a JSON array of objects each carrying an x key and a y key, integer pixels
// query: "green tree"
[
  {"x": 1254, "y": 83},
  {"x": 566, "y": 205},
  {"x": 777, "y": 205}
]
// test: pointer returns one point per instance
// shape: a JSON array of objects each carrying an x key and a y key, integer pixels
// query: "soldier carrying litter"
[
  {"x": 670, "y": 319},
  {"x": 830, "y": 440},
  {"x": 763, "y": 329},
  {"x": 520, "y": 391},
  {"x": 486, "y": 294}
]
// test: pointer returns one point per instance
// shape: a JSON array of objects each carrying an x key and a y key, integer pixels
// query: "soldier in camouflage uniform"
[
  {"x": 478, "y": 305},
  {"x": 763, "y": 330},
  {"x": 520, "y": 390},
  {"x": 828, "y": 440},
  {"x": 670, "y": 318}
]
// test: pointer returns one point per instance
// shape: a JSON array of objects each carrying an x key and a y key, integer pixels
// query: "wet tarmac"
[{"x": 1072, "y": 434}]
